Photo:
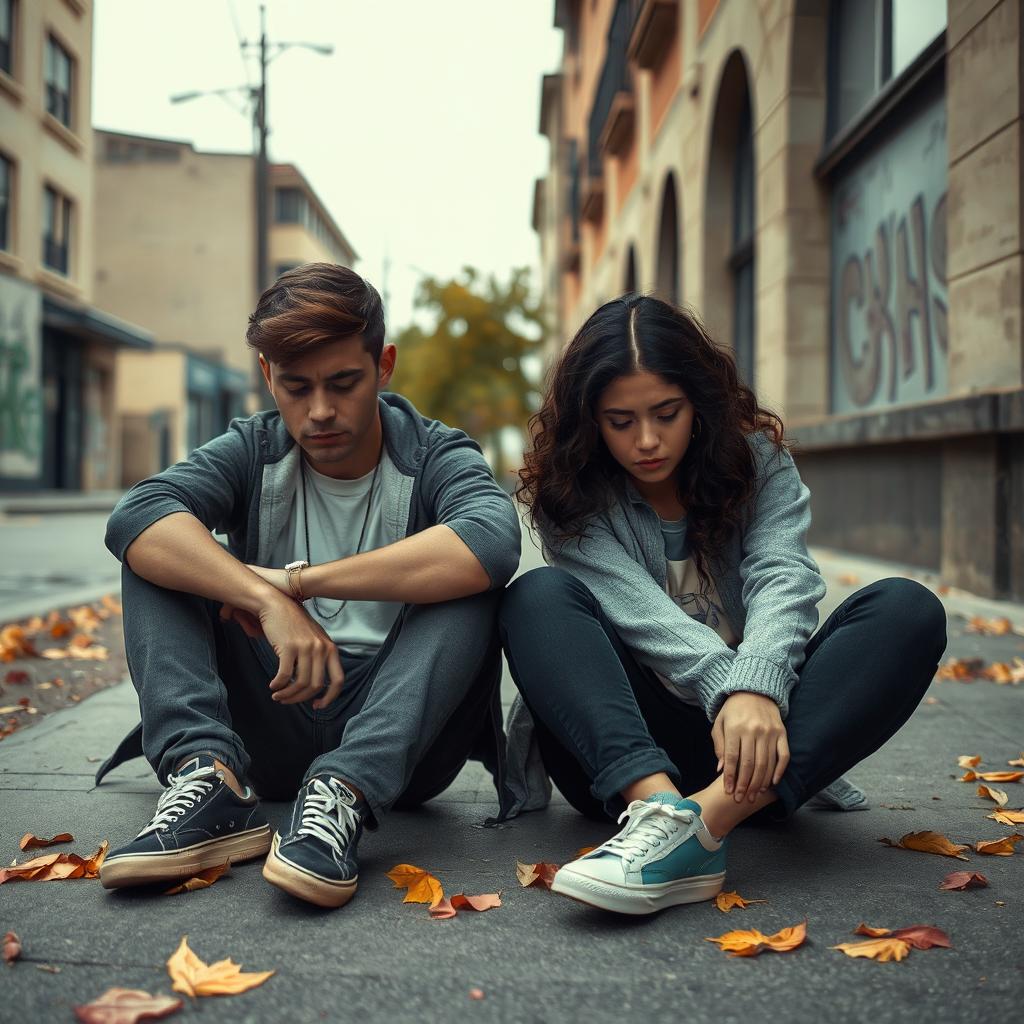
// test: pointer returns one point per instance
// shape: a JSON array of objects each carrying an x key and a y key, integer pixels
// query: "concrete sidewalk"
[{"x": 538, "y": 957}]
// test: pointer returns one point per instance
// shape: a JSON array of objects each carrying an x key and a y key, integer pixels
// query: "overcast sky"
[{"x": 419, "y": 133}]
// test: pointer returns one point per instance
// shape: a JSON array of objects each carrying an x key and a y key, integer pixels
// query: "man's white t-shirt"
[
  {"x": 683, "y": 585},
  {"x": 336, "y": 510}
]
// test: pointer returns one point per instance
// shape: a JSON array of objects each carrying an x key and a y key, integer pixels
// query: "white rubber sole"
[
  {"x": 150, "y": 868},
  {"x": 304, "y": 885},
  {"x": 637, "y": 899}
]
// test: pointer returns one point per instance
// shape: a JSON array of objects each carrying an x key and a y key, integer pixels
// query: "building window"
[
  {"x": 56, "y": 230},
  {"x": 59, "y": 76},
  {"x": 7, "y": 15},
  {"x": 283, "y": 268},
  {"x": 289, "y": 206},
  {"x": 741, "y": 260},
  {"x": 6, "y": 201},
  {"x": 872, "y": 42}
]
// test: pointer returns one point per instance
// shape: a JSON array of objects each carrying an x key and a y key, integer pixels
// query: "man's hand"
[
  {"x": 750, "y": 742},
  {"x": 304, "y": 650}
]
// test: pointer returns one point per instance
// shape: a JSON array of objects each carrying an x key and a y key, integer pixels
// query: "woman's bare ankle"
[{"x": 648, "y": 786}]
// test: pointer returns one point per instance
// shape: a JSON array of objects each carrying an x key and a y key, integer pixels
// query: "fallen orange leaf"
[
  {"x": 963, "y": 670},
  {"x": 12, "y": 947},
  {"x": 928, "y": 842},
  {"x": 126, "y": 1006},
  {"x": 540, "y": 874},
  {"x": 192, "y": 977},
  {"x": 1007, "y": 817},
  {"x": 882, "y": 950},
  {"x": 989, "y": 627},
  {"x": 583, "y": 851},
  {"x": 201, "y": 880},
  {"x": 994, "y": 776},
  {"x": 752, "y": 942},
  {"x": 448, "y": 908},
  {"x": 920, "y": 936},
  {"x": 1003, "y": 674},
  {"x": 421, "y": 886},
  {"x": 969, "y": 761},
  {"x": 60, "y": 628},
  {"x": 998, "y": 795},
  {"x": 31, "y": 842},
  {"x": 55, "y": 866},
  {"x": 1003, "y": 847},
  {"x": 111, "y": 603},
  {"x": 1017, "y": 761},
  {"x": 725, "y": 901},
  {"x": 957, "y": 881},
  {"x": 875, "y": 933}
]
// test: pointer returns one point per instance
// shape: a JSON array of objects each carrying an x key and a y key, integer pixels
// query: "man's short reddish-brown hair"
[{"x": 313, "y": 305}]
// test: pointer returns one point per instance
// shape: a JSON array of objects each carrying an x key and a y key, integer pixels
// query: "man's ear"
[
  {"x": 265, "y": 367},
  {"x": 386, "y": 367}
]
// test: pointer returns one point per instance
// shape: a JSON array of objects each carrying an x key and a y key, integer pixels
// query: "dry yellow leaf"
[
  {"x": 989, "y": 627},
  {"x": 1003, "y": 847},
  {"x": 1007, "y": 817},
  {"x": 994, "y": 794},
  {"x": 1001, "y": 776},
  {"x": 421, "y": 886},
  {"x": 725, "y": 901},
  {"x": 541, "y": 874},
  {"x": 928, "y": 842},
  {"x": 126, "y": 1006},
  {"x": 969, "y": 761},
  {"x": 875, "y": 933},
  {"x": 882, "y": 949},
  {"x": 192, "y": 977},
  {"x": 752, "y": 942},
  {"x": 1003, "y": 674},
  {"x": 200, "y": 880},
  {"x": 1017, "y": 762}
]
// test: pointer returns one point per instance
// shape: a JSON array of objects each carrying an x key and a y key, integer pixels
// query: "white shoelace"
[
  {"x": 181, "y": 793},
  {"x": 649, "y": 825},
  {"x": 327, "y": 815}
]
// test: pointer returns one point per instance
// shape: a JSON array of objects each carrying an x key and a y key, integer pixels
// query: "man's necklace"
[{"x": 359, "y": 543}]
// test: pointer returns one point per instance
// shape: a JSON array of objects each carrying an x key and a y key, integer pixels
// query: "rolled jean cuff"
[{"x": 609, "y": 783}]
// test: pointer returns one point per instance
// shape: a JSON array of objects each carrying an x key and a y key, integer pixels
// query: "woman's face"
[{"x": 646, "y": 422}]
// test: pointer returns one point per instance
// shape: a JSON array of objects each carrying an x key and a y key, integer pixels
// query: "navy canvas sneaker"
[
  {"x": 316, "y": 860},
  {"x": 200, "y": 822},
  {"x": 663, "y": 857}
]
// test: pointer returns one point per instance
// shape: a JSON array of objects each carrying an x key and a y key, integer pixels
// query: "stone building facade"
[{"x": 836, "y": 186}]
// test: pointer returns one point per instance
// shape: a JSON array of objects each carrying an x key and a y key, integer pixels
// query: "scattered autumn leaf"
[
  {"x": 752, "y": 942},
  {"x": 476, "y": 993},
  {"x": 968, "y": 760},
  {"x": 989, "y": 627},
  {"x": 972, "y": 776},
  {"x": 31, "y": 842},
  {"x": 540, "y": 874},
  {"x": 963, "y": 670},
  {"x": 56, "y": 866},
  {"x": 111, "y": 603},
  {"x": 202, "y": 880},
  {"x": 126, "y": 1006},
  {"x": 583, "y": 851},
  {"x": 193, "y": 977},
  {"x": 15, "y": 643},
  {"x": 957, "y": 881},
  {"x": 725, "y": 901},
  {"x": 1017, "y": 762},
  {"x": 1003, "y": 674},
  {"x": 1007, "y": 817},
  {"x": 60, "y": 628},
  {"x": 421, "y": 886},
  {"x": 450, "y": 907},
  {"x": 866, "y": 929},
  {"x": 928, "y": 842},
  {"x": 883, "y": 950},
  {"x": 79, "y": 652},
  {"x": 919, "y": 936},
  {"x": 1003, "y": 847},
  {"x": 998, "y": 795},
  {"x": 16, "y": 677},
  {"x": 12, "y": 948}
]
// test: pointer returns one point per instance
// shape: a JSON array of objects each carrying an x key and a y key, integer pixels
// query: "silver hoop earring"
[{"x": 696, "y": 433}]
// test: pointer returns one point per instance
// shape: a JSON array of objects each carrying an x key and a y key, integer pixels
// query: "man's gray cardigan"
[{"x": 768, "y": 583}]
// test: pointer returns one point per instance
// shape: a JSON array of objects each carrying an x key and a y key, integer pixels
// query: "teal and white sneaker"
[{"x": 663, "y": 857}]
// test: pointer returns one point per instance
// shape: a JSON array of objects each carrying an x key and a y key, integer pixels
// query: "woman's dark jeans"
[{"x": 605, "y": 721}]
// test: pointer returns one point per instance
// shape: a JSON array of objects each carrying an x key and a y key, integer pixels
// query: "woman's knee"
[
  {"x": 920, "y": 615},
  {"x": 534, "y": 595}
]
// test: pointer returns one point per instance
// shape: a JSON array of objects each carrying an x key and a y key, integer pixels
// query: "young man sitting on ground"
[{"x": 343, "y": 647}]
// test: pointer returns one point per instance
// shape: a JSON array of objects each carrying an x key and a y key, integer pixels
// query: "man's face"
[{"x": 328, "y": 401}]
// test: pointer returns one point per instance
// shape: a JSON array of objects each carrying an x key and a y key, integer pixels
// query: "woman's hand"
[
  {"x": 750, "y": 742},
  {"x": 277, "y": 578}
]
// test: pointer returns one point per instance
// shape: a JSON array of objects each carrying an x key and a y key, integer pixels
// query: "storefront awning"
[{"x": 93, "y": 325}]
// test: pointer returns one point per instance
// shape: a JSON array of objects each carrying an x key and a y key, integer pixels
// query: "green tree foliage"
[{"x": 467, "y": 370}]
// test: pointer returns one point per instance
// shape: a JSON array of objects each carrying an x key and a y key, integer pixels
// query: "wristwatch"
[{"x": 293, "y": 571}]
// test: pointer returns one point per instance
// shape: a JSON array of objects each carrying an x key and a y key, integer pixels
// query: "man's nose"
[{"x": 321, "y": 407}]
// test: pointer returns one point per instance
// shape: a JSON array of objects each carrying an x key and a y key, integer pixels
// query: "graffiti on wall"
[
  {"x": 889, "y": 308},
  {"x": 21, "y": 405}
]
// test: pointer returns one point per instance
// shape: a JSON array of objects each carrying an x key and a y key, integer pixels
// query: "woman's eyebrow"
[{"x": 654, "y": 408}]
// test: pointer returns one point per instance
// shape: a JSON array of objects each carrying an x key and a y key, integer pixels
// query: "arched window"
[
  {"x": 667, "y": 278},
  {"x": 741, "y": 257}
]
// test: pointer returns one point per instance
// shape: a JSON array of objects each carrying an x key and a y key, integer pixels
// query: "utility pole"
[{"x": 262, "y": 165}]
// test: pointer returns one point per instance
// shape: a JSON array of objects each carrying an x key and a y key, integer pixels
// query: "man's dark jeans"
[
  {"x": 605, "y": 721},
  {"x": 405, "y": 723}
]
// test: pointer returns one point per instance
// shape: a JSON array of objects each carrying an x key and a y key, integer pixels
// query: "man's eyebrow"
[
  {"x": 297, "y": 378},
  {"x": 654, "y": 408}
]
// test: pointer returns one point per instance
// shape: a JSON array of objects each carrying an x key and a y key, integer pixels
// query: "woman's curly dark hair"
[{"x": 569, "y": 476}]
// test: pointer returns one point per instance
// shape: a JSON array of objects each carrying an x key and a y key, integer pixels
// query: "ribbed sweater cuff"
[{"x": 750, "y": 674}]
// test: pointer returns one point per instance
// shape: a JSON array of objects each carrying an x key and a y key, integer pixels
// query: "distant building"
[
  {"x": 836, "y": 185},
  {"x": 176, "y": 251},
  {"x": 58, "y": 426}
]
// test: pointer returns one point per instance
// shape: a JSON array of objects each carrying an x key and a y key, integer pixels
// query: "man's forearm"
[
  {"x": 430, "y": 566},
  {"x": 179, "y": 553}
]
